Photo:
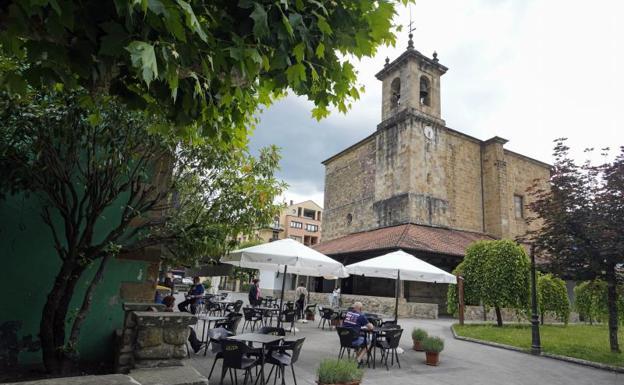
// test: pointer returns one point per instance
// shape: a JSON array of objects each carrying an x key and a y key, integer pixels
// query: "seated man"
[
  {"x": 194, "y": 296},
  {"x": 354, "y": 319}
]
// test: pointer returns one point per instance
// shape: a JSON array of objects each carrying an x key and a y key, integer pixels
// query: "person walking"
[
  {"x": 255, "y": 299},
  {"x": 300, "y": 293}
]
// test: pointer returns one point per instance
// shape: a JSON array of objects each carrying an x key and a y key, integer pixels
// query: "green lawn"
[{"x": 580, "y": 341}]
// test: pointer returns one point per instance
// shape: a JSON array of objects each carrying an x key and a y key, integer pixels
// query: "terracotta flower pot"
[
  {"x": 417, "y": 345},
  {"x": 310, "y": 317},
  {"x": 336, "y": 322},
  {"x": 433, "y": 358}
]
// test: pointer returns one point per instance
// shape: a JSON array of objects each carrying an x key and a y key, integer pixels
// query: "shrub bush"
[
  {"x": 591, "y": 301},
  {"x": 553, "y": 296},
  {"x": 332, "y": 371},
  {"x": 244, "y": 288},
  {"x": 433, "y": 344},
  {"x": 419, "y": 334}
]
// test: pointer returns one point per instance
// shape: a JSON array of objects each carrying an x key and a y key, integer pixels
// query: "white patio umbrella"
[
  {"x": 400, "y": 265},
  {"x": 286, "y": 255}
]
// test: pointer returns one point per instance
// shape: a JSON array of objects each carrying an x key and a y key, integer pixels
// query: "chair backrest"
[
  {"x": 310, "y": 308},
  {"x": 327, "y": 313},
  {"x": 347, "y": 336},
  {"x": 237, "y": 305},
  {"x": 289, "y": 315},
  {"x": 296, "y": 349},
  {"x": 393, "y": 336},
  {"x": 290, "y": 305},
  {"x": 215, "y": 336},
  {"x": 248, "y": 313},
  {"x": 233, "y": 353},
  {"x": 389, "y": 324},
  {"x": 272, "y": 330},
  {"x": 233, "y": 323}
]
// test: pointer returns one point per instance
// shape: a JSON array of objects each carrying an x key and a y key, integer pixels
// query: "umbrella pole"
[
  {"x": 396, "y": 302},
  {"x": 279, "y": 323}
]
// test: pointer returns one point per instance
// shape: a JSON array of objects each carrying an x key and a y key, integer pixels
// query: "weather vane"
[{"x": 410, "y": 43}]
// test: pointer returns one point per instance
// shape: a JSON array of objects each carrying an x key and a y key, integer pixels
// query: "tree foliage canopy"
[
  {"x": 207, "y": 66},
  {"x": 496, "y": 274},
  {"x": 107, "y": 186},
  {"x": 582, "y": 217},
  {"x": 590, "y": 301},
  {"x": 552, "y": 296}
]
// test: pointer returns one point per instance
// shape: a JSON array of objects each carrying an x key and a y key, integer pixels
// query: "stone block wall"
[
  {"x": 151, "y": 338},
  {"x": 380, "y": 305},
  {"x": 475, "y": 313}
]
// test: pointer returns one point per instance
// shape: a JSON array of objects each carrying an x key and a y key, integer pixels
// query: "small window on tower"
[
  {"x": 395, "y": 93},
  {"x": 519, "y": 206},
  {"x": 425, "y": 91}
]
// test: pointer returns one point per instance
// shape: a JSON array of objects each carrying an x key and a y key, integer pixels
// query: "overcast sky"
[{"x": 529, "y": 71}]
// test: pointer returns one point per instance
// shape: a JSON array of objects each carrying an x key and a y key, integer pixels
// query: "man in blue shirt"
[
  {"x": 354, "y": 319},
  {"x": 194, "y": 297}
]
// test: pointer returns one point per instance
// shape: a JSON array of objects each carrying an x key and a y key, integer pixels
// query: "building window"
[
  {"x": 312, "y": 228},
  {"x": 275, "y": 236},
  {"x": 425, "y": 91},
  {"x": 309, "y": 213},
  {"x": 296, "y": 225},
  {"x": 395, "y": 93},
  {"x": 519, "y": 206},
  {"x": 349, "y": 218}
]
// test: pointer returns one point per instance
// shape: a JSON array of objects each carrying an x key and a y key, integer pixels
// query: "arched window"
[
  {"x": 349, "y": 218},
  {"x": 425, "y": 91},
  {"x": 395, "y": 93}
]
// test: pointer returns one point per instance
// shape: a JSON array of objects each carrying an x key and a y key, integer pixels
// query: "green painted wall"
[{"x": 30, "y": 265}]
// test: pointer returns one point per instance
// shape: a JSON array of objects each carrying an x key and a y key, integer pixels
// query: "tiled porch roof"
[{"x": 407, "y": 237}]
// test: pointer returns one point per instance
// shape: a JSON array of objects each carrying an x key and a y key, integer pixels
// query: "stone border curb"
[{"x": 573, "y": 360}]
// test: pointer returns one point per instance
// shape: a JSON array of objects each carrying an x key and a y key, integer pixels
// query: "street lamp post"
[{"x": 536, "y": 346}]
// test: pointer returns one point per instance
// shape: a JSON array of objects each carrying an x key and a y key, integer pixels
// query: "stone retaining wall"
[
  {"x": 475, "y": 313},
  {"x": 151, "y": 338},
  {"x": 380, "y": 305}
]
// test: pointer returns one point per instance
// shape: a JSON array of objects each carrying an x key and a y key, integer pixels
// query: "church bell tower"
[{"x": 412, "y": 82}]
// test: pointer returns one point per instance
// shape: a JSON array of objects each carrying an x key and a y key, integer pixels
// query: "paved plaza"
[{"x": 460, "y": 363}]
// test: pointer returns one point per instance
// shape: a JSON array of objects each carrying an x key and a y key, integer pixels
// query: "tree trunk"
[
  {"x": 499, "y": 317},
  {"x": 48, "y": 334},
  {"x": 542, "y": 318},
  {"x": 612, "y": 306},
  {"x": 72, "y": 341}
]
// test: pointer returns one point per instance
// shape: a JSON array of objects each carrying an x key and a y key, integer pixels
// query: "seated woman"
[{"x": 196, "y": 344}]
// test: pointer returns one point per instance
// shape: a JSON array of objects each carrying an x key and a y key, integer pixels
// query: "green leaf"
[
  {"x": 287, "y": 26},
  {"x": 259, "y": 16},
  {"x": 320, "y": 50},
  {"x": 324, "y": 26},
  {"x": 144, "y": 59},
  {"x": 296, "y": 74},
  {"x": 191, "y": 19},
  {"x": 298, "y": 51}
]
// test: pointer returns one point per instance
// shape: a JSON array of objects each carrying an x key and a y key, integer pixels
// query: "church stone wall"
[
  {"x": 349, "y": 190},
  {"x": 522, "y": 173}
]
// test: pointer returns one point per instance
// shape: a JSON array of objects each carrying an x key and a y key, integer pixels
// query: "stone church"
[{"x": 416, "y": 184}]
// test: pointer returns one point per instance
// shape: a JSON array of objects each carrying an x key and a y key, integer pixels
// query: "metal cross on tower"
[{"x": 410, "y": 42}]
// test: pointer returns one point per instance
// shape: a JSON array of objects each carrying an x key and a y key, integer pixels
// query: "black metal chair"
[
  {"x": 282, "y": 356},
  {"x": 328, "y": 315},
  {"x": 272, "y": 330},
  {"x": 214, "y": 340},
  {"x": 231, "y": 324},
  {"x": 392, "y": 324},
  {"x": 288, "y": 317},
  {"x": 251, "y": 318},
  {"x": 388, "y": 345},
  {"x": 235, "y": 357},
  {"x": 347, "y": 337},
  {"x": 310, "y": 309}
]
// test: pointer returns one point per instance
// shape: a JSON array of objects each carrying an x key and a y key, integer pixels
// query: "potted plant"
[
  {"x": 432, "y": 347},
  {"x": 338, "y": 372},
  {"x": 418, "y": 335}
]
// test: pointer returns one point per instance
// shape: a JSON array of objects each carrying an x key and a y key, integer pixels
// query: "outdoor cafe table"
[
  {"x": 262, "y": 339},
  {"x": 208, "y": 320}
]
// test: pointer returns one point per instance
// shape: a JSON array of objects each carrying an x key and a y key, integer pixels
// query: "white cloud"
[{"x": 529, "y": 71}]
